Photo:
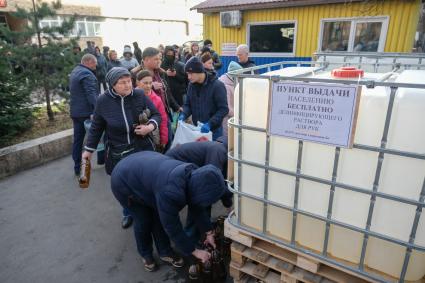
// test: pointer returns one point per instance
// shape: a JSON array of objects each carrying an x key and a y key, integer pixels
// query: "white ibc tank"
[{"x": 400, "y": 176}]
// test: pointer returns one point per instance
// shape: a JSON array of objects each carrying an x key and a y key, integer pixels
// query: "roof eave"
[{"x": 271, "y": 5}]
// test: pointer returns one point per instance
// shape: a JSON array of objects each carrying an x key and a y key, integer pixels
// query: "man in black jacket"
[
  {"x": 175, "y": 73},
  {"x": 242, "y": 52},
  {"x": 201, "y": 154},
  {"x": 206, "y": 99},
  {"x": 137, "y": 52},
  {"x": 216, "y": 58},
  {"x": 154, "y": 182},
  {"x": 84, "y": 90}
]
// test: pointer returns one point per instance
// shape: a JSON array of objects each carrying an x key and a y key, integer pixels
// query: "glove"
[
  {"x": 182, "y": 117},
  {"x": 205, "y": 128}
]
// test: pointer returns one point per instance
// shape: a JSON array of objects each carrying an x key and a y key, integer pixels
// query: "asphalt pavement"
[{"x": 53, "y": 231}]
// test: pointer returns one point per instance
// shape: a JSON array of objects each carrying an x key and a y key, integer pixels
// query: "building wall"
[
  {"x": 403, "y": 19},
  {"x": 149, "y": 22}
]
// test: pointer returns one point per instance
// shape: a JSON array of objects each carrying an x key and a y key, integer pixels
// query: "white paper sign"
[
  {"x": 228, "y": 49},
  {"x": 323, "y": 113}
]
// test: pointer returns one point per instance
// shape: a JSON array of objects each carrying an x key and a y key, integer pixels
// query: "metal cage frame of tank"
[{"x": 374, "y": 193}]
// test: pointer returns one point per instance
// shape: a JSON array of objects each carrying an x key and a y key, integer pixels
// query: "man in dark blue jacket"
[
  {"x": 200, "y": 154},
  {"x": 150, "y": 180},
  {"x": 84, "y": 90},
  {"x": 206, "y": 98}
]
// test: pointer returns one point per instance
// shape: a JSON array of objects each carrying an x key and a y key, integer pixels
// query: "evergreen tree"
[
  {"x": 46, "y": 64},
  {"x": 15, "y": 109}
]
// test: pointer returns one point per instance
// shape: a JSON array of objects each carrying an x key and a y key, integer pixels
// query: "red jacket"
[{"x": 163, "y": 129}]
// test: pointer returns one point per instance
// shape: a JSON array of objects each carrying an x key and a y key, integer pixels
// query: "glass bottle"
[{"x": 84, "y": 179}]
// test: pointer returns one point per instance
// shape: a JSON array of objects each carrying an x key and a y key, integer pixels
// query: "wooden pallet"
[
  {"x": 276, "y": 263},
  {"x": 268, "y": 268}
]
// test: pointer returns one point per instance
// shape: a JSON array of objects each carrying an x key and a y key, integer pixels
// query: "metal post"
[
  {"x": 331, "y": 200},
  {"x": 297, "y": 189},
  {"x": 266, "y": 182},
  {"x": 266, "y": 164},
  {"x": 240, "y": 147},
  {"x": 377, "y": 175},
  {"x": 360, "y": 62},
  {"x": 413, "y": 233}
]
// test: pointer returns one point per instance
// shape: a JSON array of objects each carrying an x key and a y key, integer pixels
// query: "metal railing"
[
  {"x": 333, "y": 183},
  {"x": 371, "y": 61}
]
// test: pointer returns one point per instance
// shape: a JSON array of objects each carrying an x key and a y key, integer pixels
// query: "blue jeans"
[{"x": 77, "y": 143}]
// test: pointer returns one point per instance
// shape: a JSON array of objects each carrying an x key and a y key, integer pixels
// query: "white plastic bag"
[{"x": 189, "y": 133}]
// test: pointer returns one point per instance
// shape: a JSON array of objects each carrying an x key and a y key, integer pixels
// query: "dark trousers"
[
  {"x": 217, "y": 133},
  {"x": 77, "y": 143},
  {"x": 103, "y": 83},
  {"x": 170, "y": 135},
  {"x": 146, "y": 224}
]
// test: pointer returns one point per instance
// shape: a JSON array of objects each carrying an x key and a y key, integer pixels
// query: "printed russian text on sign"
[{"x": 323, "y": 113}]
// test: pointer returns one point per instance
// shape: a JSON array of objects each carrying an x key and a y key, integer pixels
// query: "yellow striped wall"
[{"x": 403, "y": 19}]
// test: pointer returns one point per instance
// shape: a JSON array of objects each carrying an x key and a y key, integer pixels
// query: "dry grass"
[{"x": 43, "y": 127}]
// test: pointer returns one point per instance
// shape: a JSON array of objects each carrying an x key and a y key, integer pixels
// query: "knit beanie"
[
  {"x": 233, "y": 66},
  {"x": 115, "y": 74},
  {"x": 127, "y": 49},
  {"x": 194, "y": 65}
]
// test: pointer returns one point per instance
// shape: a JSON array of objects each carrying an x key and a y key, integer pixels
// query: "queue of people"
[{"x": 143, "y": 93}]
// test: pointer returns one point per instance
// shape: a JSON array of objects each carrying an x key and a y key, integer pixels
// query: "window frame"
[
  {"x": 50, "y": 21},
  {"x": 354, "y": 21},
  {"x": 82, "y": 21},
  {"x": 272, "y": 54}
]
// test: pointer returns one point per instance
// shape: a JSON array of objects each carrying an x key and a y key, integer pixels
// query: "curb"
[{"x": 26, "y": 155}]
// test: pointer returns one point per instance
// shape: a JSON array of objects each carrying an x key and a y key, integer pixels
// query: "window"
[
  {"x": 88, "y": 28},
  {"x": 336, "y": 36},
  {"x": 354, "y": 35},
  {"x": 82, "y": 28},
  {"x": 50, "y": 22},
  {"x": 272, "y": 38}
]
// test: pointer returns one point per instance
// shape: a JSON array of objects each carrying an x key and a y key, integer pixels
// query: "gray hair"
[
  {"x": 150, "y": 52},
  {"x": 243, "y": 48},
  {"x": 87, "y": 58}
]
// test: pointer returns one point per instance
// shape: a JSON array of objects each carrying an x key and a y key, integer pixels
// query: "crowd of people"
[{"x": 144, "y": 92}]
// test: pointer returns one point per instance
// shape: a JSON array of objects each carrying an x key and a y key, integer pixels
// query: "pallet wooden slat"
[
  {"x": 285, "y": 260},
  {"x": 249, "y": 269}
]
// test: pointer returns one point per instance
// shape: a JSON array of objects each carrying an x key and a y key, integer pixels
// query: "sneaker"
[
  {"x": 173, "y": 259},
  {"x": 150, "y": 264}
]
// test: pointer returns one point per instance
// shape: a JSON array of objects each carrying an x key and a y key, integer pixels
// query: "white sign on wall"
[
  {"x": 323, "y": 113},
  {"x": 228, "y": 49}
]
